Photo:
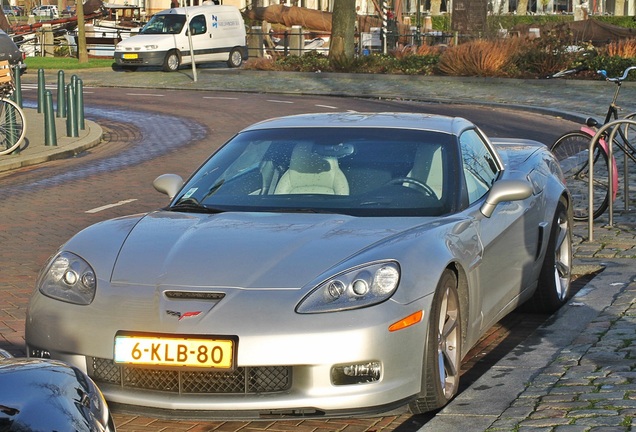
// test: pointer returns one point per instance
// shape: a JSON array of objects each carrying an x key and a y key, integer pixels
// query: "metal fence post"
[
  {"x": 41, "y": 88},
  {"x": 71, "y": 117},
  {"x": 50, "y": 134},
  {"x": 61, "y": 94},
  {"x": 79, "y": 103},
  {"x": 17, "y": 93}
]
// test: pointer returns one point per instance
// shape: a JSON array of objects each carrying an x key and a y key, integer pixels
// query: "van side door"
[{"x": 201, "y": 41}]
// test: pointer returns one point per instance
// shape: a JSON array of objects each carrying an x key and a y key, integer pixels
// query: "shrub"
[{"x": 480, "y": 58}]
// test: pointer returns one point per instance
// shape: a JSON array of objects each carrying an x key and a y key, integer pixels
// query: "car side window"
[
  {"x": 197, "y": 25},
  {"x": 478, "y": 163}
]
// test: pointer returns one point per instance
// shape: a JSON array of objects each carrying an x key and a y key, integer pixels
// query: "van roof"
[{"x": 197, "y": 9}]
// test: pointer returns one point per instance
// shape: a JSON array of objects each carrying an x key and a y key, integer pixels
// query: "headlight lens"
[
  {"x": 151, "y": 47},
  {"x": 68, "y": 278},
  {"x": 356, "y": 288}
]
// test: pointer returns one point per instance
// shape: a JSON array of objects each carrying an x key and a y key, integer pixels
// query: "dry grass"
[
  {"x": 625, "y": 48},
  {"x": 480, "y": 58}
]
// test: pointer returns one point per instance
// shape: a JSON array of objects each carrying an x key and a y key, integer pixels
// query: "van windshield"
[{"x": 164, "y": 24}]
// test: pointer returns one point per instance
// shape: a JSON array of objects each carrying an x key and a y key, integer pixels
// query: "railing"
[
  {"x": 297, "y": 42},
  {"x": 614, "y": 126}
]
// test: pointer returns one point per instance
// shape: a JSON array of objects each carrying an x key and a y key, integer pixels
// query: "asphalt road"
[{"x": 151, "y": 132}]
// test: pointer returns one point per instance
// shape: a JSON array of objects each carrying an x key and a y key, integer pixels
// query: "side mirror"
[
  {"x": 168, "y": 184},
  {"x": 505, "y": 190}
]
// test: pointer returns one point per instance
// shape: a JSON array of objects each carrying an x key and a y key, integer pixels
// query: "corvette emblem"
[{"x": 182, "y": 315}]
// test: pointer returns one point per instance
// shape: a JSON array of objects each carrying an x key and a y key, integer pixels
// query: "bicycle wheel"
[
  {"x": 572, "y": 152},
  {"x": 12, "y": 126}
]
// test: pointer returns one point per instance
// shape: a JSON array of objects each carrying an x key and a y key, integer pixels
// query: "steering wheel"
[{"x": 422, "y": 187}]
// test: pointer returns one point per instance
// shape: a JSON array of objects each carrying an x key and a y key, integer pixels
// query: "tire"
[
  {"x": 571, "y": 150},
  {"x": 554, "y": 280},
  {"x": 442, "y": 353},
  {"x": 236, "y": 58},
  {"x": 172, "y": 62},
  {"x": 12, "y": 126}
]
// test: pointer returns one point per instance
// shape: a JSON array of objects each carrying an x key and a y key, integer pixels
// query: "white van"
[{"x": 217, "y": 33}]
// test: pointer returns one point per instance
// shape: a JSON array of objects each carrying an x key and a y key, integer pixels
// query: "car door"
[
  {"x": 508, "y": 243},
  {"x": 200, "y": 39}
]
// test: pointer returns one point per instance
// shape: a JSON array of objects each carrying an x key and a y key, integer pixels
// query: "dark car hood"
[{"x": 246, "y": 250}]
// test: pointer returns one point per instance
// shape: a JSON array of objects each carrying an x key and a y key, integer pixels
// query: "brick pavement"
[{"x": 584, "y": 385}]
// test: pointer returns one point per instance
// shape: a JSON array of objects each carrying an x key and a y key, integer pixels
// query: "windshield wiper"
[{"x": 194, "y": 206}]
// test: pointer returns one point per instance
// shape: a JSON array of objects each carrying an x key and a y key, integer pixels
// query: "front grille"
[{"x": 247, "y": 380}]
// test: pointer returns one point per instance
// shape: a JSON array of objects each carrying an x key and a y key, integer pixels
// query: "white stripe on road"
[
  {"x": 279, "y": 101},
  {"x": 219, "y": 97},
  {"x": 144, "y": 94},
  {"x": 327, "y": 106},
  {"x": 108, "y": 206}
]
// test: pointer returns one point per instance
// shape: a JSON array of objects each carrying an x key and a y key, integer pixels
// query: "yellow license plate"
[
  {"x": 130, "y": 56},
  {"x": 164, "y": 351}
]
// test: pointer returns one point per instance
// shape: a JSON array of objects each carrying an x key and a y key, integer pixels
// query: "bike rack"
[{"x": 614, "y": 126}]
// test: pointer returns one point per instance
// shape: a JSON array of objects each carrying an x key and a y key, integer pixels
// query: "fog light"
[{"x": 356, "y": 373}]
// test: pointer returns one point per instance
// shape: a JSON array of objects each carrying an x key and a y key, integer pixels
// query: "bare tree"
[{"x": 342, "y": 43}]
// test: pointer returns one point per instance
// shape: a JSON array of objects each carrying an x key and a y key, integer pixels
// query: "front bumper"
[
  {"x": 305, "y": 348},
  {"x": 143, "y": 58}
]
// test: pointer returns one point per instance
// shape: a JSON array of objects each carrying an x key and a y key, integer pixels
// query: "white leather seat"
[
  {"x": 311, "y": 173},
  {"x": 427, "y": 168}
]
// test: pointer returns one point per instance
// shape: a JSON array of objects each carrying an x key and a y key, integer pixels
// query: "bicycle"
[
  {"x": 572, "y": 151},
  {"x": 12, "y": 120}
]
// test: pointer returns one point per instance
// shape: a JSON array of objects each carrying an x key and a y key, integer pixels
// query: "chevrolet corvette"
[{"x": 315, "y": 265}]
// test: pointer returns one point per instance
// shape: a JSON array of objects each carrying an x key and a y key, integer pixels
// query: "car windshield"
[
  {"x": 355, "y": 171},
  {"x": 164, "y": 24}
]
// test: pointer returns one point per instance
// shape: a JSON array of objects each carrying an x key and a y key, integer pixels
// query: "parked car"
[
  {"x": 38, "y": 395},
  {"x": 18, "y": 10},
  {"x": 10, "y": 51},
  {"x": 314, "y": 265},
  {"x": 46, "y": 11},
  {"x": 8, "y": 11}
]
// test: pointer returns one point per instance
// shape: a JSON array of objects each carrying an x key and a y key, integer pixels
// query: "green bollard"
[
  {"x": 79, "y": 103},
  {"x": 61, "y": 94},
  {"x": 41, "y": 88},
  {"x": 17, "y": 93},
  {"x": 50, "y": 134},
  {"x": 71, "y": 117}
]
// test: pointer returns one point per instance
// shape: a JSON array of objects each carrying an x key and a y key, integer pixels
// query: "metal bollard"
[
  {"x": 50, "y": 134},
  {"x": 71, "y": 117},
  {"x": 41, "y": 88},
  {"x": 61, "y": 94},
  {"x": 79, "y": 103},
  {"x": 17, "y": 93}
]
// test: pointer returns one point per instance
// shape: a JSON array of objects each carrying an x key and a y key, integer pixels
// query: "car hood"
[{"x": 246, "y": 250}]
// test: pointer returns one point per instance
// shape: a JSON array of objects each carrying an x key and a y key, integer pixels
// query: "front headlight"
[
  {"x": 356, "y": 288},
  {"x": 151, "y": 47},
  {"x": 68, "y": 278}
]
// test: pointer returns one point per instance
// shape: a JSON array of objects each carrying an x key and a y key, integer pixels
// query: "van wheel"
[
  {"x": 236, "y": 58},
  {"x": 171, "y": 62}
]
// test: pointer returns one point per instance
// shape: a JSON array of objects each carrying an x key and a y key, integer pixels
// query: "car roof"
[{"x": 415, "y": 121}]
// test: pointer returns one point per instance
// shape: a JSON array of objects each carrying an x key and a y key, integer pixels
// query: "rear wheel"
[
  {"x": 572, "y": 152},
  {"x": 554, "y": 279},
  {"x": 236, "y": 58},
  {"x": 442, "y": 354},
  {"x": 171, "y": 62}
]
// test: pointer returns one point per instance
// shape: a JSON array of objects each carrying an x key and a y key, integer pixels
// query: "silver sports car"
[{"x": 319, "y": 264}]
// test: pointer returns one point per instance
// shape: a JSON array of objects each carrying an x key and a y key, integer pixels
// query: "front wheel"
[
  {"x": 12, "y": 126},
  {"x": 442, "y": 353},
  {"x": 556, "y": 273},
  {"x": 171, "y": 62},
  {"x": 572, "y": 152},
  {"x": 236, "y": 58}
]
